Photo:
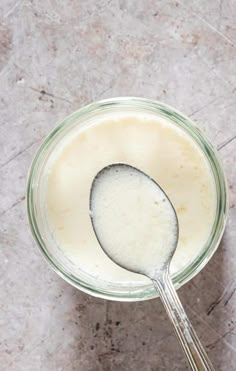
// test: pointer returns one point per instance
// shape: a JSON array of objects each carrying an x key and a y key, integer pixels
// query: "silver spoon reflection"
[{"x": 137, "y": 227}]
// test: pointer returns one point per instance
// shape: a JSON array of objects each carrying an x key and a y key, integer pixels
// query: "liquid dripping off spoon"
[{"x": 137, "y": 227}]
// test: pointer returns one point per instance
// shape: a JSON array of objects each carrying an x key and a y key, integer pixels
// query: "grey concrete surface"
[{"x": 56, "y": 56}]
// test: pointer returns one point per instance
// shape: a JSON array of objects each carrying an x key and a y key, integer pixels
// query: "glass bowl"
[{"x": 36, "y": 193}]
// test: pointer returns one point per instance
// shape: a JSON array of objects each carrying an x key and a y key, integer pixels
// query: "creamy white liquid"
[
  {"x": 133, "y": 219},
  {"x": 153, "y": 145}
]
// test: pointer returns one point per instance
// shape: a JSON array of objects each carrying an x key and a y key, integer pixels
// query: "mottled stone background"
[{"x": 56, "y": 56}]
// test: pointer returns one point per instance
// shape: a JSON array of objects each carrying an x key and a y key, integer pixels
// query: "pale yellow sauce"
[{"x": 154, "y": 145}]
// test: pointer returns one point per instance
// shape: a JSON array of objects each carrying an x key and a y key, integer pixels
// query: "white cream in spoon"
[{"x": 133, "y": 219}]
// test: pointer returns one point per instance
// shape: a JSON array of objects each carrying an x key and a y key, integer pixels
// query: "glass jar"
[{"x": 36, "y": 193}]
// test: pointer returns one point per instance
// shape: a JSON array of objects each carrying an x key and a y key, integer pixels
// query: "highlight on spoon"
[{"x": 133, "y": 219}]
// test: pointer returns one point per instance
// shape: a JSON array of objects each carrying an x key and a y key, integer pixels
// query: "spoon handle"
[{"x": 193, "y": 349}]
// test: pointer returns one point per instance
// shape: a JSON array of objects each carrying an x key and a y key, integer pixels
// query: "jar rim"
[{"x": 182, "y": 121}]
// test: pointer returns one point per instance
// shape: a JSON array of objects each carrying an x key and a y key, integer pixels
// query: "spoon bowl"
[{"x": 141, "y": 226}]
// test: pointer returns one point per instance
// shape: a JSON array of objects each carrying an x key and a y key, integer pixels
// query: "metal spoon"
[{"x": 106, "y": 179}]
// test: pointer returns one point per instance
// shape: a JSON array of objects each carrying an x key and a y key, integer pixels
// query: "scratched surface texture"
[{"x": 56, "y": 56}]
